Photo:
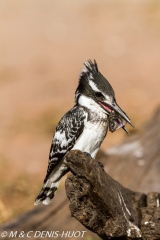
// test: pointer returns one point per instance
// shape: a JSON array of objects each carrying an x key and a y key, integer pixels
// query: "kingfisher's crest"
[{"x": 89, "y": 70}]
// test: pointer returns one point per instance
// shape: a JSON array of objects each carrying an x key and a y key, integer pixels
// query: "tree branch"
[{"x": 103, "y": 205}]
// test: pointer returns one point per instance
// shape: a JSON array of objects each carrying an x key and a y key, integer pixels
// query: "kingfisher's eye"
[{"x": 98, "y": 94}]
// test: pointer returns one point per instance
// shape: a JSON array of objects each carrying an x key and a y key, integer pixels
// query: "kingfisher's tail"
[
  {"x": 47, "y": 193},
  {"x": 51, "y": 185}
]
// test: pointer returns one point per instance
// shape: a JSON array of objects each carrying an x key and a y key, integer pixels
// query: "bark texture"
[{"x": 104, "y": 206}]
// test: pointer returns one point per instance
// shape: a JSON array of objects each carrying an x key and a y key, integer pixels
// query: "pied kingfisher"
[{"x": 84, "y": 127}]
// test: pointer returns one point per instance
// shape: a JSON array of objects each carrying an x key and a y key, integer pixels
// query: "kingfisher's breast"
[{"x": 92, "y": 136}]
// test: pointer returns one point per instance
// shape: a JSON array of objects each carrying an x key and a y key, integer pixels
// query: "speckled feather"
[{"x": 67, "y": 132}]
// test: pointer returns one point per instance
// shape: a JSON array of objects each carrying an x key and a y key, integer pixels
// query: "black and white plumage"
[{"x": 84, "y": 127}]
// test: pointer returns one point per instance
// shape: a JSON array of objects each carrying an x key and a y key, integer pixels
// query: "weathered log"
[
  {"x": 99, "y": 202},
  {"x": 105, "y": 207}
]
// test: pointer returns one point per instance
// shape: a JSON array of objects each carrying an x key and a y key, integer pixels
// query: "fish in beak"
[{"x": 117, "y": 117}]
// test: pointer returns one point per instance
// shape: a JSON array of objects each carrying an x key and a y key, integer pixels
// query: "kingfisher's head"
[{"x": 94, "y": 91}]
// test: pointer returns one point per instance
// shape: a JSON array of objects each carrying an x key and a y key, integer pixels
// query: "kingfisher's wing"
[{"x": 67, "y": 132}]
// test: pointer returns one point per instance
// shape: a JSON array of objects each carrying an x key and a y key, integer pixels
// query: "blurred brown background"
[{"x": 43, "y": 44}]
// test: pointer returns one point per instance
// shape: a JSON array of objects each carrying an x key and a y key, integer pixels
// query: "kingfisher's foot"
[
  {"x": 88, "y": 155},
  {"x": 101, "y": 165}
]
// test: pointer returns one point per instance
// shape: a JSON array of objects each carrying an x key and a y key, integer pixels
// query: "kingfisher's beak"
[
  {"x": 118, "y": 110},
  {"x": 114, "y": 106}
]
